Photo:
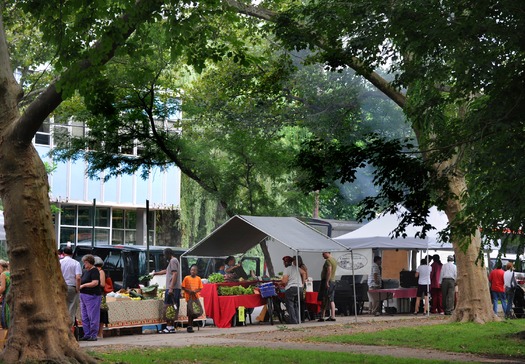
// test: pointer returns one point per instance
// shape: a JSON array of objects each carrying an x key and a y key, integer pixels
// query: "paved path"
[{"x": 212, "y": 336}]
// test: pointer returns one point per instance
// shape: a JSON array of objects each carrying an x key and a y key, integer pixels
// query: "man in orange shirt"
[{"x": 191, "y": 285}]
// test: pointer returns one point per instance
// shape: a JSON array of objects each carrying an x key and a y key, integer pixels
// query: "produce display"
[
  {"x": 132, "y": 294},
  {"x": 235, "y": 290},
  {"x": 216, "y": 278}
]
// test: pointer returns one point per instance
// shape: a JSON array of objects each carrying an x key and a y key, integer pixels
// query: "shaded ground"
[{"x": 293, "y": 337}]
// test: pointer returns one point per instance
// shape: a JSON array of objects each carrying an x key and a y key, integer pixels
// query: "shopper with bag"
[
  {"x": 191, "y": 286},
  {"x": 510, "y": 289}
]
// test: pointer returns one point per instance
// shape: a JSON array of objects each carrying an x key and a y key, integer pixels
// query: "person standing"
[
  {"x": 104, "y": 316},
  {"x": 435, "y": 286},
  {"x": 423, "y": 283},
  {"x": 447, "y": 280},
  {"x": 5, "y": 285},
  {"x": 71, "y": 271},
  {"x": 191, "y": 285},
  {"x": 292, "y": 282},
  {"x": 327, "y": 287},
  {"x": 173, "y": 285},
  {"x": 497, "y": 288},
  {"x": 510, "y": 286},
  {"x": 302, "y": 266},
  {"x": 90, "y": 298},
  {"x": 374, "y": 282}
]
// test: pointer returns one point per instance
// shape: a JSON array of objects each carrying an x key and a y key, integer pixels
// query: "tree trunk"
[
  {"x": 474, "y": 302},
  {"x": 40, "y": 328}
]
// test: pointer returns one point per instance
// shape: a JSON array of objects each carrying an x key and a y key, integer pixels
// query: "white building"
[{"x": 120, "y": 203}]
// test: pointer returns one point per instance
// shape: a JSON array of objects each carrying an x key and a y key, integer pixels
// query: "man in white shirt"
[
  {"x": 447, "y": 280},
  {"x": 293, "y": 285},
  {"x": 71, "y": 271}
]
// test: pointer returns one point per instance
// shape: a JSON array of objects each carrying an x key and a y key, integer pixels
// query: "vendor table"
[
  {"x": 222, "y": 308},
  {"x": 130, "y": 313},
  {"x": 395, "y": 293}
]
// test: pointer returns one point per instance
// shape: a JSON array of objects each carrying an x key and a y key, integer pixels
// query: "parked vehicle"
[{"x": 125, "y": 264}]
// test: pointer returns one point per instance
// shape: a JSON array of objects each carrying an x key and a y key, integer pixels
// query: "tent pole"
[
  {"x": 353, "y": 285},
  {"x": 428, "y": 288}
]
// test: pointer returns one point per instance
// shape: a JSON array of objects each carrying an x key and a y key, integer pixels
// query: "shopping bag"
[{"x": 195, "y": 308}]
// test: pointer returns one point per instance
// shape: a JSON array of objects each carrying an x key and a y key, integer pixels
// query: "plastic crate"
[{"x": 267, "y": 290}]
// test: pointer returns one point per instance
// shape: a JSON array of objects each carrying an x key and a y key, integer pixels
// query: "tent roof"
[
  {"x": 241, "y": 233},
  {"x": 378, "y": 233}
]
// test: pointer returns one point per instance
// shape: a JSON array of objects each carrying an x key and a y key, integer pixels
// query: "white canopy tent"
[
  {"x": 378, "y": 233},
  {"x": 241, "y": 233}
]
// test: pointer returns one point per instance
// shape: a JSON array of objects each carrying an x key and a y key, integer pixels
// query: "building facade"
[{"x": 111, "y": 212}]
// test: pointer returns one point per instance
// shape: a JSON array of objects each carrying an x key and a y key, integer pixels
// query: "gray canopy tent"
[{"x": 241, "y": 233}]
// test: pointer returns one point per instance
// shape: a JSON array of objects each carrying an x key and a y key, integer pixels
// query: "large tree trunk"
[
  {"x": 40, "y": 328},
  {"x": 474, "y": 303}
]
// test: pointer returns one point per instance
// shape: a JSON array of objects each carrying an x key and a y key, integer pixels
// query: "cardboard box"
[{"x": 116, "y": 299}]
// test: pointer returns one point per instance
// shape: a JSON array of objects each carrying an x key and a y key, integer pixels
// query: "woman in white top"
[
  {"x": 510, "y": 286},
  {"x": 423, "y": 275}
]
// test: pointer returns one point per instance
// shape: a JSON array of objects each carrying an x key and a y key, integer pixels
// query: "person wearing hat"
[
  {"x": 447, "y": 280},
  {"x": 293, "y": 286}
]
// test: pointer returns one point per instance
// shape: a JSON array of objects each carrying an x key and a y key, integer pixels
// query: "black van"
[{"x": 125, "y": 264}]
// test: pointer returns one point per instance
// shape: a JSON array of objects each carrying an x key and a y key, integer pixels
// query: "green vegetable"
[
  {"x": 150, "y": 288},
  {"x": 235, "y": 290},
  {"x": 171, "y": 314},
  {"x": 216, "y": 278}
]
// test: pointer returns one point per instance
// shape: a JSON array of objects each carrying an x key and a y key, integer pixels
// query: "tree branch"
[
  {"x": 353, "y": 62},
  {"x": 10, "y": 90},
  {"x": 118, "y": 32}
]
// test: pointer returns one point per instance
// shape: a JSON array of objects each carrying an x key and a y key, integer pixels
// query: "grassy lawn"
[
  {"x": 238, "y": 355},
  {"x": 495, "y": 338}
]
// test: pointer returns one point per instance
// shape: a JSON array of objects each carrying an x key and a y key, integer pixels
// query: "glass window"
[
  {"x": 130, "y": 237},
  {"x": 117, "y": 237},
  {"x": 131, "y": 220},
  {"x": 118, "y": 219},
  {"x": 68, "y": 215},
  {"x": 84, "y": 216},
  {"x": 67, "y": 234},
  {"x": 101, "y": 236},
  {"x": 102, "y": 217},
  {"x": 84, "y": 236}
]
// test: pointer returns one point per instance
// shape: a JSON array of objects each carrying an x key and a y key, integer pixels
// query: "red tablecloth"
[
  {"x": 396, "y": 292},
  {"x": 222, "y": 308}
]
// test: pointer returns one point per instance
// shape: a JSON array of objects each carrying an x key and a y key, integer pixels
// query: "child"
[{"x": 191, "y": 285}]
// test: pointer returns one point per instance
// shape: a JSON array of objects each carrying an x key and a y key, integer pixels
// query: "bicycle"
[{"x": 274, "y": 303}]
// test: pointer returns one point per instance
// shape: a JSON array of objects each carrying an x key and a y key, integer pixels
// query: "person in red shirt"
[
  {"x": 191, "y": 285},
  {"x": 435, "y": 287},
  {"x": 497, "y": 288}
]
